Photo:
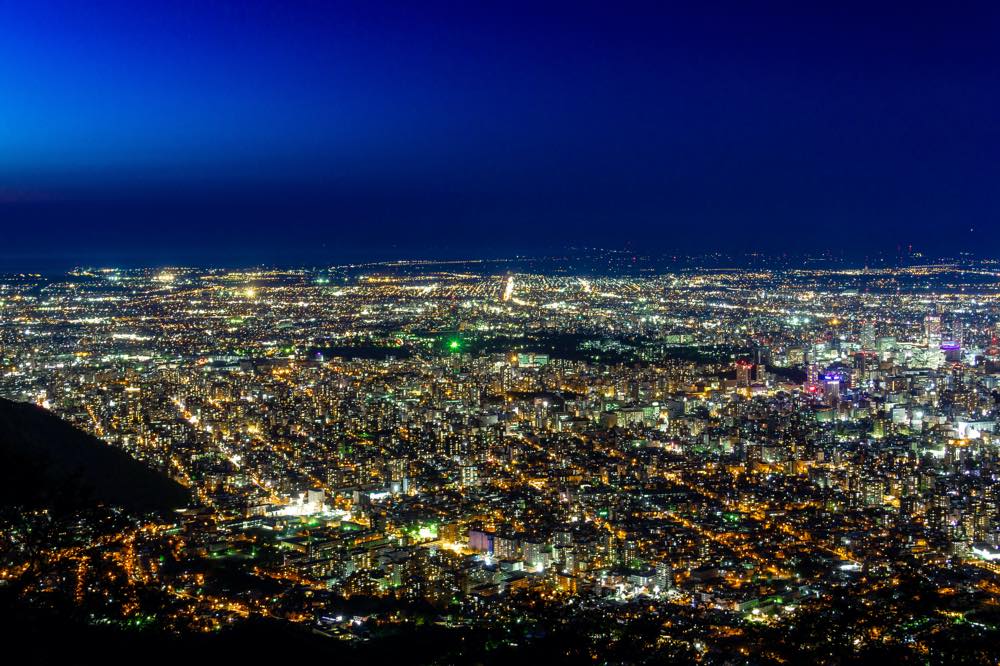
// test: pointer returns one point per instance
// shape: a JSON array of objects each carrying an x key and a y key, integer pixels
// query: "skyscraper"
[
  {"x": 957, "y": 332},
  {"x": 743, "y": 373},
  {"x": 868, "y": 336},
  {"x": 932, "y": 330}
]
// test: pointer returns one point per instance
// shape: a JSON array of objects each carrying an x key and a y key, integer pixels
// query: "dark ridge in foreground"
[
  {"x": 28, "y": 631},
  {"x": 44, "y": 460}
]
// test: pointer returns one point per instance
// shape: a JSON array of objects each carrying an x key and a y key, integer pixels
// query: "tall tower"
[
  {"x": 957, "y": 332},
  {"x": 743, "y": 373},
  {"x": 932, "y": 331},
  {"x": 868, "y": 336}
]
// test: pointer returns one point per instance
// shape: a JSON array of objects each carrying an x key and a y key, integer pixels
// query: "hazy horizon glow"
[{"x": 149, "y": 129}]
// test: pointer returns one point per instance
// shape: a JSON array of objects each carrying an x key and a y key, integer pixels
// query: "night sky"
[{"x": 295, "y": 132}]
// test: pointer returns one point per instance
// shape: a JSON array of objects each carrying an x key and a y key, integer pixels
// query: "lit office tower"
[
  {"x": 957, "y": 332},
  {"x": 831, "y": 387},
  {"x": 743, "y": 373},
  {"x": 812, "y": 367},
  {"x": 932, "y": 330},
  {"x": 868, "y": 336}
]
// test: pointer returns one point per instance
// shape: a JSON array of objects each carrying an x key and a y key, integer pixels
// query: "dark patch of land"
[
  {"x": 44, "y": 459},
  {"x": 367, "y": 352}
]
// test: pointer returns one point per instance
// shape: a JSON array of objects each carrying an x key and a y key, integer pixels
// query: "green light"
[{"x": 454, "y": 344}]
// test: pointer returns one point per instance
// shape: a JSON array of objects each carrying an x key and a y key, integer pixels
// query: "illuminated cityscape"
[
  {"x": 499, "y": 333},
  {"x": 685, "y": 464}
]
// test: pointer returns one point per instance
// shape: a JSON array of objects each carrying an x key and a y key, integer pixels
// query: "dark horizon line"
[{"x": 137, "y": 262}]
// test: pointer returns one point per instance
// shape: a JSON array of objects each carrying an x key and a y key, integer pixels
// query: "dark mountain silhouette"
[{"x": 47, "y": 463}]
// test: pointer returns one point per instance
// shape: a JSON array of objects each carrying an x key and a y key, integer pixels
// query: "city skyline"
[
  {"x": 458, "y": 464},
  {"x": 446, "y": 333}
]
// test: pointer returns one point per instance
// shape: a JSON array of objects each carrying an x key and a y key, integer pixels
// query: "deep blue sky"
[{"x": 233, "y": 132}]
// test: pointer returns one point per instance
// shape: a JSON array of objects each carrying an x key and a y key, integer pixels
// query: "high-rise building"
[
  {"x": 868, "y": 336},
  {"x": 957, "y": 332},
  {"x": 743, "y": 373},
  {"x": 932, "y": 330}
]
